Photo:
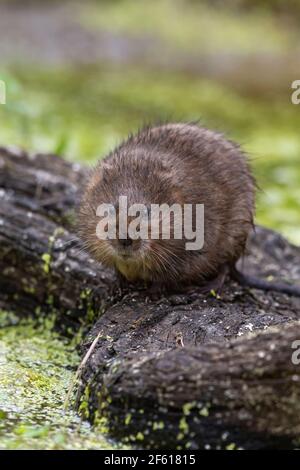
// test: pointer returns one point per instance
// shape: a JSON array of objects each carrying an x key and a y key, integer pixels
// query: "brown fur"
[{"x": 174, "y": 163}]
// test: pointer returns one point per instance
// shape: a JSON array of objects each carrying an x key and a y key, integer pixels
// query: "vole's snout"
[
  {"x": 127, "y": 247},
  {"x": 125, "y": 242}
]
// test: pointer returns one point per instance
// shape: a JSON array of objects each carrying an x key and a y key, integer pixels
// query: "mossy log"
[{"x": 180, "y": 371}]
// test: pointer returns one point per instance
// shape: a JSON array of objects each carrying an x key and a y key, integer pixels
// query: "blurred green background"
[{"x": 81, "y": 75}]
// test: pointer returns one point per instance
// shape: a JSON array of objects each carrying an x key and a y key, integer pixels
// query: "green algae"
[
  {"x": 36, "y": 369},
  {"x": 47, "y": 262}
]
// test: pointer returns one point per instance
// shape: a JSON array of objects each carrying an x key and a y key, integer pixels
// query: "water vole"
[{"x": 181, "y": 164}]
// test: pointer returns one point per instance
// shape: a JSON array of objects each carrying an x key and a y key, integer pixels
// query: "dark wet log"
[
  {"x": 42, "y": 267},
  {"x": 244, "y": 393},
  {"x": 184, "y": 370},
  {"x": 41, "y": 183}
]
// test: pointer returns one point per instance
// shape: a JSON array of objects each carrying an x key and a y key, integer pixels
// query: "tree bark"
[{"x": 180, "y": 371}]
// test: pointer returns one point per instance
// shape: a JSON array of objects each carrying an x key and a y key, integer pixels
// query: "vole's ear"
[
  {"x": 105, "y": 166},
  {"x": 106, "y": 172},
  {"x": 97, "y": 174}
]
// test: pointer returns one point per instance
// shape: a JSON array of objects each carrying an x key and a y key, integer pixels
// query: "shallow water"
[{"x": 36, "y": 369}]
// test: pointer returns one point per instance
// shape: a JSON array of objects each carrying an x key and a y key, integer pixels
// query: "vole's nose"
[{"x": 125, "y": 242}]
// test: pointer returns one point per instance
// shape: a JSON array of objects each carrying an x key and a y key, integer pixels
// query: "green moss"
[
  {"x": 204, "y": 411},
  {"x": 87, "y": 304},
  {"x": 37, "y": 310},
  {"x": 101, "y": 424},
  {"x": 127, "y": 419},
  {"x": 231, "y": 446},
  {"x": 50, "y": 299},
  {"x": 37, "y": 367},
  {"x": 8, "y": 319},
  {"x": 46, "y": 257},
  {"x": 187, "y": 407},
  {"x": 158, "y": 426},
  {"x": 183, "y": 425},
  {"x": 85, "y": 293},
  {"x": 29, "y": 289}
]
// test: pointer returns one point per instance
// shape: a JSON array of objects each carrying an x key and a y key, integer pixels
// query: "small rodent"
[{"x": 176, "y": 163}]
